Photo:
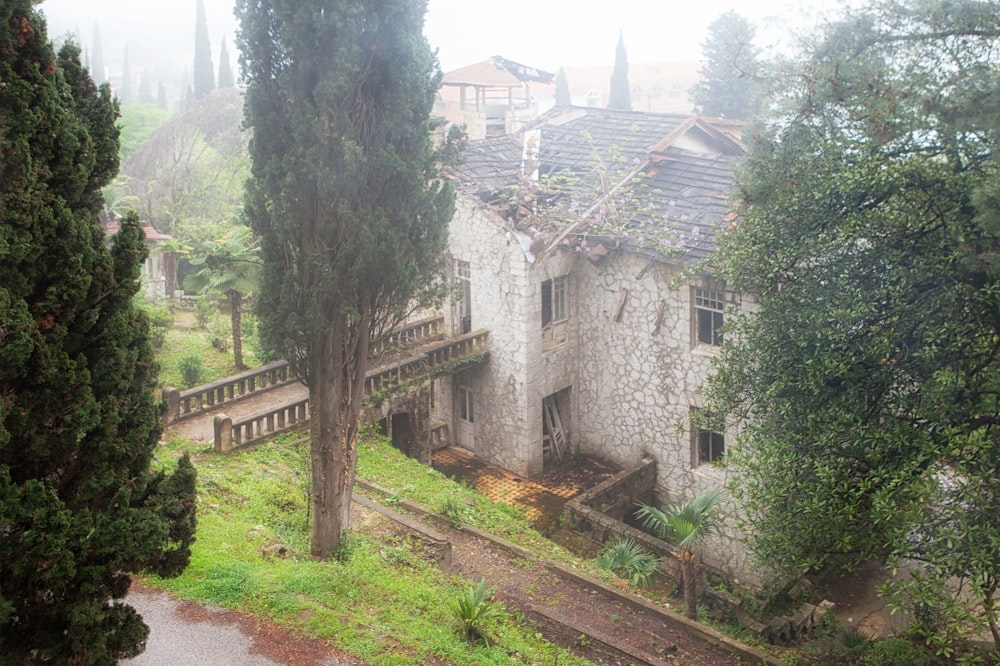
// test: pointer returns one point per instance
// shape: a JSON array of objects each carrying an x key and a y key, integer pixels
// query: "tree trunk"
[
  {"x": 170, "y": 268},
  {"x": 236, "y": 315},
  {"x": 989, "y": 607},
  {"x": 689, "y": 573},
  {"x": 337, "y": 386}
]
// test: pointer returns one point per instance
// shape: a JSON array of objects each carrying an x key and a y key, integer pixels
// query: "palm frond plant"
[
  {"x": 627, "y": 559},
  {"x": 685, "y": 525},
  {"x": 475, "y": 608}
]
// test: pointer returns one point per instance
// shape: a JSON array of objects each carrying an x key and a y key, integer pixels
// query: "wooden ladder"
[{"x": 554, "y": 424}]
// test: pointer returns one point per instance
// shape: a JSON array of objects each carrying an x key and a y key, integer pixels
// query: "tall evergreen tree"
[
  {"x": 126, "y": 92},
  {"x": 621, "y": 95},
  {"x": 161, "y": 96},
  {"x": 346, "y": 197},
  {"x": 145, "y": 88},
  {"x": 204, "y": 72},
  {"x": 563, "y": 96},
  {"x": 97, "y": 71},
  {"x": 732, "y": 80},
  {"x": 79, "y": 506},
  {"x": 226, "y": 78}
]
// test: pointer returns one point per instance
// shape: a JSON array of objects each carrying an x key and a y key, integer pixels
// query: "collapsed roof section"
[{"x": 594, "y": 179}]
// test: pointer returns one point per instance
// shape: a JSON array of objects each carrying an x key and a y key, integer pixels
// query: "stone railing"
[
  {"x": 409, "y": 335},
  {"x": 200, "y": 399},
  {"x": 445, "y": 357},
  {"x": 439, "y": 359},
  {"x": 231, "y": 434}
]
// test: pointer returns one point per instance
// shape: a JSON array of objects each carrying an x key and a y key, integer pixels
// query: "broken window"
[
  {"x": 465, "y": 404},
  {"x": 709, "y": 445},
  {"x": 709, "y": 309},
  {"x": 554, "y": 311},
  {"x": 463, "y": 304}
]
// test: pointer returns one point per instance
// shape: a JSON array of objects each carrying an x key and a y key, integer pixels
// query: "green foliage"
[
  {"x": 160, "y": 318},
  {"x": 628, "y": 559},
  {"x": 686, "y": 523},
  {"x": 894, "y": 651},
  {"x": 80, "y": 509},
  {"x": 475, "y": 609},
  {"x": 187, "y": 175},
  {"x": 868, "y": 377},
  {"x": 346, "y": 198},
  {"x": 620, "y": 96},
  {"x": 204, "y": 72},
  {"x": 220, "y": 336},
  {"x": 380, "y": 602},
  {"x": 138, "y": 122},
  {"x": 192, "y": 369},
  {"x": 732, "y": 81},
  {"x": 205, "y": 307},
  {"x": 226, "y": 77}
]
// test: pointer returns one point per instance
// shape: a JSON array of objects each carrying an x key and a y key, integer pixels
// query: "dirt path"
[{"x": 580, "y": 614}]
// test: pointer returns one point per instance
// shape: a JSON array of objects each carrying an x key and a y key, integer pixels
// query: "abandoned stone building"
[{"x": 575, "y": 243}]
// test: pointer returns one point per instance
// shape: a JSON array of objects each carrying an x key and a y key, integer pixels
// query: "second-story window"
[
  {"x": 554, "y": 311},
  {"x": 709, "y": 315}
]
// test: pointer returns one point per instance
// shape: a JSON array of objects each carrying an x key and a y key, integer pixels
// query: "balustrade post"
[
  {"x": 172, "y": 398},
  {"x": 223, "y": 434}
]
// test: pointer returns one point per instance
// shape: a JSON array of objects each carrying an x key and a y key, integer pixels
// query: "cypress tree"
[
  {"x": 621, "y": 95},
  {"x": 97, "y": 58},
  {"x": 161, "y": 96},
  {"x": 79, "y": 505},
  {"x": 346, "y": 198},
  {"x": 126, "y": 92},
  {"x": 226, "y": 78},
  {"x": 145, "y": 88},
  {"x": 204, "y": 74},
  {"x": 563, "y": 96},
  {"x": 732, "y": 81}
]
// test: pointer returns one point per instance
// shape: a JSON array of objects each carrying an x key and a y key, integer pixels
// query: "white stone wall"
[
  {"x": 631, "y": 388},
  {"x": 500, "y": 294}
]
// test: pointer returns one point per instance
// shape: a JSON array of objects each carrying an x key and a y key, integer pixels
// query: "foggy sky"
[{"x": 542, "y": 33}]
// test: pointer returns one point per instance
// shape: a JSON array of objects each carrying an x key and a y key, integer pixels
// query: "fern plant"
[
  {"x": 626, "y": 559},
  {"x": 474, "y": 608}
]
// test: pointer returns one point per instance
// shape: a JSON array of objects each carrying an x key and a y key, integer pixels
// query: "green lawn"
[{"x": 383, "y": 602}]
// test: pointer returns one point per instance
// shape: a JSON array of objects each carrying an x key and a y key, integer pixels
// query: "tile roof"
[{"x": 655, "y": 183}]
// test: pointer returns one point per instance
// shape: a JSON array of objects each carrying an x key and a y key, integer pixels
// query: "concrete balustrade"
[
  {"x": 194, "y": 401},
  {"x": 409, "y": 335},
  {"x": 231, "y": 434},
  {"x": 448, "y": 356}
]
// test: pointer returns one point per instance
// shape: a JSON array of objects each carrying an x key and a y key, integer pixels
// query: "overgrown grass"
[
  {"x": 385, "y": 603},
  {"x": 185, "y": 339}
]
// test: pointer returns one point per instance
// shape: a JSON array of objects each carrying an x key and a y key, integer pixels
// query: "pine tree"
[
  {"x": 97, "y": 58},
  {"x": 621, "y": 96},
  {"x": 79, "y": 505},
  {"x": 732, "y": 83},
  {"x": 204, "y": 74},
  {"x": 145, "y": 88},
  {"x": 346, "y": 198},
  {"x": 161, "y": 96},
  {"x": 226, "y": 78},
  {"x": 126, "y": 92},
  {"x": 563, "y": 96}
]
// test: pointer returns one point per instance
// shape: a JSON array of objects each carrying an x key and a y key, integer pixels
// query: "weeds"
[
  {"x": 627, "y": 560},
  {"x": 475, "y": 609}
]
